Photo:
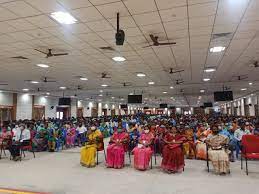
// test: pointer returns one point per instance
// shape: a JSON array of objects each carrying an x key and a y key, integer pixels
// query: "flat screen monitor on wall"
[
  {"x": 208, "y": 104},
  {"x": 134, "y": 99},
  {"x": 64, "y": 101},
  {"x": 163, "y": 105},
  {"x": 223, "y": 96},
  {"x": 124, "y": 106}
]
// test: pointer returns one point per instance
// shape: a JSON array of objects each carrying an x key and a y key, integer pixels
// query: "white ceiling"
[{"x": 26, "y": 25}]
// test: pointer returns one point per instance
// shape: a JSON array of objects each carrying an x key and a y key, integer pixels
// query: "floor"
[{"x": 61, "y": 173}]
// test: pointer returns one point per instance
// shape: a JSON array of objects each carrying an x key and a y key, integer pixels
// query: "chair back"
[{"x": 250, "y": 143}]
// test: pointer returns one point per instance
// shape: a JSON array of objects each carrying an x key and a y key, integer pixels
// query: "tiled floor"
[{"x": 61, "y": 173}]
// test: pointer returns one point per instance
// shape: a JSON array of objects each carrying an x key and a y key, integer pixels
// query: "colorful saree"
[
  {"x": 142, "y": 153},
  {"x": 189, "y": 146},
  {"x": 173, "y": 156},
  {"x": 116, "y": 150},
  {"x": 88, "y": 152}
]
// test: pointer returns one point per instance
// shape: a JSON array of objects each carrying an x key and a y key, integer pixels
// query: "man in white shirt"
[
  {"x": 21, "y": 137},
  {"x": 238, "y": 134},
  {"x": 81, "y": 134}
]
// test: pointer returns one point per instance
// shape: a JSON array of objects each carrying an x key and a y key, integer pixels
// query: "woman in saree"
[
  {"x": 71, "y": 135},
  {"x": 173, "y": 156},
  {"x": 88, "y": 152},
  {"x": 217, "y": 152},
  {"x": 143, "y": 152},
  {"x": 201, "y": 152},
  {"x": 40, "y": 141},
  {"x": 189, "y": 146},
  {"x": 117, "y": 147}
]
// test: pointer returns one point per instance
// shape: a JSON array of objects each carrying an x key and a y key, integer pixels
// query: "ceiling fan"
[
  {"x": 105, "y": 75},
  {"x": 172, "y": 71},
  {"x": 178, "y": 82},
  {"x": 125, "y": 84},
  {"x": 3, "y": 84},
  {"x": 241, "y": 77},
  {"x": 254, "y": 64},
  {"x": 156, "y": 43},
  {"x": 50, "y": 54},
  {"x": 46, "y": 80}
]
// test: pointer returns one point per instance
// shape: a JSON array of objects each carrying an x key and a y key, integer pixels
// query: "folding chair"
[
  {"x": 100, "y": 148},
  {"x": 27, "y": 147},
  {"x": 249, "y": 149}
]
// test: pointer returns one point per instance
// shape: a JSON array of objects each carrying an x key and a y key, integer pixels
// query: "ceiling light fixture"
[
  {"x": 101, "y": 91},
  {"x": 202, "y": 91},
  {"x": 206, "y": 79},
  {"x": 113, "y": 97},
  {"x": 210, "y": 69},
  {"x": 43, "y": 65},
  {"x": 243, "y": 89},
  {"x": 47, "y": 93},
  {"x": 104, "y": 85},
  {"x": 164, "y": 92},
  {"x": 119, "y": 59},
  {"x": 141, "y": 74},
  {"x": 83, "y": 78},
  {"x": 34, "y": 82},
  {"x": 63, "y": 17},
  {"x": 62, "y": 87},
  {"x": 250, "y": 83},
  {"x": 100, "y": 95},
  {"x": 131, "y": 93},
  {"x": 217, "y": 49},
  {"x": 151, "y": 83},
  {"x": 25, "y": 89},
  {"x": 171, "y": 87}
]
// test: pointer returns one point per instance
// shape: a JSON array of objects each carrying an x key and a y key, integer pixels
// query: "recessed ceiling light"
[
  {"x": 217, "y": 49},
  {"x": 100, "y": 95},
  {"x": 171, "y": 87},
  {"x": 164, "y": 92},
  {"x": 43, "y": 65},
  {"x": 206, "y": 79},
  {"x": 250, "y": 83},
  {"x": 131, "y": 93},
  {"x": 151, "y": 83},
  {"x": 210, "y": 69},
  {"x": 141, "y": 74},
  {"x": 122, "y": 99},
  {"x": 119, "y": 59},
  {"x": 34, "y": 82},
  {"x": 202, "y": 91},
  {"x": 62, "y": 87},
  {"x": 101, "y": 91},
  {"x": 25, "y": 89},
  {"x": 48, "y": 93},
  {"x": 113, "y": 97},
  {"x": 83, "y": 78},
  {"x": 104, "y": 85},
  {"x": 243, "y": 89},
  {"x": 63, "y": 17}
]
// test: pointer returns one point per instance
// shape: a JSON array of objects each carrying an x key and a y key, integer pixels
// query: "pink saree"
[
  {"x": 71, "y": 134},
  {"x": 116, "y": 151},
  {"x": 142, "y": 154}
]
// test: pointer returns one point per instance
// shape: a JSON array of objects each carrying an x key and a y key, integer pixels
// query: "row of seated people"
[{"x": 172, "y": 142}]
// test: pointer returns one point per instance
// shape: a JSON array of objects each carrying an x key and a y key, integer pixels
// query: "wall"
[
  {"x": 73, "y": 107},
  {"x": 6, "y": 99},
  {"x": 24, "y": 106},
  {"x": 48, "y": 102}
]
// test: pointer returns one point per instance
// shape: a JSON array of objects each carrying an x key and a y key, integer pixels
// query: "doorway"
[
  {"x": 94, "y": 112},
  {"x": 113, "y": 112},
  {"x": 247, "y": 113},
  {"x": 80, "y": 112},
  {"x": 63, "y": 112},
  {"x": 6, "y": 113},
  {"x": 38, "y": 112},
  {"x": 104, "y": 112}
]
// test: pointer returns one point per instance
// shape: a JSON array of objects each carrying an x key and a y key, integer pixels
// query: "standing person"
[
  {"x": 70, "y": 137},
  {"x": 88, "y": 152},
  {"x": 117, "y": 147},
  {"x": 238, "y": 137},
  {"x": 173, "y": 156},
  {"x": 143, "y": 152},
  {"x": 81, "y": 134},
  {"x": 21, "y": 137},
  {"x": 217, "y": 152}
]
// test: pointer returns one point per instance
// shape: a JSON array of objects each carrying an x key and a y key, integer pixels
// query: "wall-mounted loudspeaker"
[
  {"x": 250, "y": 104},
  {"x": 88, "y": 108},
  {"x": 52, "y": 107}
]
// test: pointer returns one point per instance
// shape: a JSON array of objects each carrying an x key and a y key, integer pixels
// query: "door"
[
  {"x": 256, "y": 110},
  {"x": 104, "y": 112},
  {"x": 80, "y": 112},
  {"x": 247, "y": 113},
  {"x": 38, "y": 112},
  {"x": 113, "y": 112},
  {"x": 6, "y": 113},
  {"x": 63, "y": 112},
  {"x": 94, "y": 112}
]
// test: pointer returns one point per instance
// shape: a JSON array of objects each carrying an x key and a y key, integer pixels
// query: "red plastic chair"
[
  {"x": 27, "y": 147},
  {"x": 250, "y": 149}
]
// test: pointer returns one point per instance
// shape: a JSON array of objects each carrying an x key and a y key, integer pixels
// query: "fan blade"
[
  {"x": 60, "y": 54},
  {"x": 19, "y": 57},
  {"x": 147, "y": 46},
  {"x": 50, "y": 81},
  {"x": 40, "y": 51},
  {"x": 153, "y": 38},
  {"x": 177, "y": 71},
  {"x": 166, "y": 43}
]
